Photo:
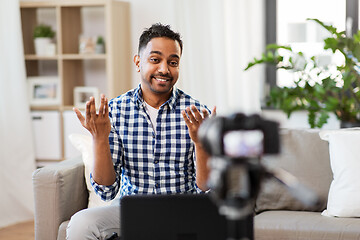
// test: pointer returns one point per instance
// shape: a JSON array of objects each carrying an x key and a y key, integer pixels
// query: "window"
[{"x": 286, "y": 24}]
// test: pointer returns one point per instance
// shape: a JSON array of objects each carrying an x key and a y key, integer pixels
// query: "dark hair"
[{"x": 158, "y": 30}]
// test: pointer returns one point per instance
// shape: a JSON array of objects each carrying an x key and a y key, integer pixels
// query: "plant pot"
[
  {"x": 41, "y": 45},
  {"x": 345, "y": 124},
  {"x": 99, "y": 48}
]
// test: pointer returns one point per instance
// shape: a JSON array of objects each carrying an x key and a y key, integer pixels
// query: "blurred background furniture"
[{"x": 61, "y": 190}]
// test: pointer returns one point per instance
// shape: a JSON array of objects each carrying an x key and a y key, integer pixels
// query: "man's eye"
[
  {"x": 174, "y": 63},
  {"x": 154, "y": 60}
]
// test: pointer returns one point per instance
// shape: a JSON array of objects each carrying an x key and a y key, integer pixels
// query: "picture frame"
[
  {"x": 83, "y": 94},
  {"x": 44, "y": 91},
  {"x": 86, "y": 45}
]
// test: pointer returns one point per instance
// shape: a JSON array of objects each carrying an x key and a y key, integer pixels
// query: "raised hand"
[
  {"x": 98, "y": 124},
  {"x": 193, "y": 120}
]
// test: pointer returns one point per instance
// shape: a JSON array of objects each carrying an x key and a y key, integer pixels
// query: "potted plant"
[
  {"x": 100, "y": 45},
  {"x": 320, "y": 90},
  {"x": 43, "y": 35}
]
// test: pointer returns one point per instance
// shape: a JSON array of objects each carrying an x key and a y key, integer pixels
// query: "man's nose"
[{"x": 163, "y": 68}]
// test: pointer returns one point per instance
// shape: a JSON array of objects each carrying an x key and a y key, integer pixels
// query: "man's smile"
[{"x": 162, "y": 79}]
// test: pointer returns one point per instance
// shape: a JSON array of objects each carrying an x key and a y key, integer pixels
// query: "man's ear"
[{"x": 137, "y": 62}]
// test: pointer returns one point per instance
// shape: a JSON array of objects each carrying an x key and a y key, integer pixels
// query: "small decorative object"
[
  {"x": 319, "y": 89},
  {"x": 86, "y": 45},
  {"x": 83, "y": 94},
  {"x": 43, "y": 35},
  {"x": 100, "y": 45},
  {"x": 44, "y": 91}
]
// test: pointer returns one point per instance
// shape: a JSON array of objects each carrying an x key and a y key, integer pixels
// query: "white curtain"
[
  {"x": 17, "y": 161},
  {"x": 220, "y": 38}
]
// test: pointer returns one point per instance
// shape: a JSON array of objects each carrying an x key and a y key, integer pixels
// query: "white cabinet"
[
  {"x": 72, "y": 125},
  {"x": 47, "y": 134}
]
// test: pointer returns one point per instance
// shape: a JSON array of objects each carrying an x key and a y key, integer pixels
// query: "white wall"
[
  {"x": 145, "y": 12},
  {"x": 220, "y": 38},
  {"x": 298, "y": 119},
  {"x": 143, "y": 15}
]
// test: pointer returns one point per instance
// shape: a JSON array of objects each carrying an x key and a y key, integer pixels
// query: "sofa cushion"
[
  {"x": 84, "y": 144},
  {"x": 344, "y": 194},
  {"x": 304, "y": 155},
  {"x": 302, "y": 225},
  {"x": 62, "y": 230}
]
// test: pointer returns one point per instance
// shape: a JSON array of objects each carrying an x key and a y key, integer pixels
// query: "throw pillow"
[
  {"x": 344, "y": 193},
  {"x": 305, "y": 156},
  {"x": 84, "y": 144}
]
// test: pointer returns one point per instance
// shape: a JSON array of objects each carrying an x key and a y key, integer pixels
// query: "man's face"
[{"x": 158, "y": 65}]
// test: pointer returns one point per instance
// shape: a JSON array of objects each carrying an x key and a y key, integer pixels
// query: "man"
[{"x": 147, "y": 140}]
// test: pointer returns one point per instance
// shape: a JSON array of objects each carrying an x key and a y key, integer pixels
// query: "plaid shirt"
[{"x": 149, "y": 163}]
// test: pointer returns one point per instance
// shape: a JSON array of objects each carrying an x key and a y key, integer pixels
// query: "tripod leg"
[{"x": 242, "y": 229}]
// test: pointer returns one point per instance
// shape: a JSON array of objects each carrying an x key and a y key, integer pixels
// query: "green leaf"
[
  {"x": 311, "y": 119},
  {"x": 331, "y": 103},
  {"x": 322, "y": 119},
  {"x": 357, "y": 37},
  {"x": 270, "y": 55},
  {"x": 43, "y": 30},
  {"x": 330, "y": 28},
  {"x": 274, "y": 46},
  {"x": 331, "y": 43}
]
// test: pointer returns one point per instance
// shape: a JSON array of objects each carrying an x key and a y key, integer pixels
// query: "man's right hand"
[{"x": 98, "y": 124}]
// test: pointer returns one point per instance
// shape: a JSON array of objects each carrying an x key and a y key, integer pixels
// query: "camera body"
[{"x": 213, "y": 131}]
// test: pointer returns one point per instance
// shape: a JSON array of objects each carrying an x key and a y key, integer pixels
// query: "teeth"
[{"x": 161, "y": 80}]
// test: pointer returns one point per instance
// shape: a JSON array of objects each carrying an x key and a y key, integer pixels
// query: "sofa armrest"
[{"x": 59, "y": 192}]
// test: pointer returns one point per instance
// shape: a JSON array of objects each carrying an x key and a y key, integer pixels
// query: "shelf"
[
  {"x": 82, "y": 56},
  {"x": 37, "y": 4},
  {"x": 73, "y": 21},
  {"x": 67, "y": 3},
  {"x": 45, "y": 108},
  {"x": 66, "y": 57},
  {"x": 37, "y": 57},
  {"x": 84, "y": 3}
]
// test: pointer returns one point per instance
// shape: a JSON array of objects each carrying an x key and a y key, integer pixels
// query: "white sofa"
[{"x": 60, "y": 191}]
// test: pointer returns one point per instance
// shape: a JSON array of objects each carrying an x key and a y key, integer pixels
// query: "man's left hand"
[{"x": 193, "y": 120}]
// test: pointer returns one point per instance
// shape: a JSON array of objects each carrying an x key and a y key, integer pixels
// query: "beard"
[{"x": 160, "y": 83}]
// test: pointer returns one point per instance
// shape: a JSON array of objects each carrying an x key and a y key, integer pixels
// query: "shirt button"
[
  {"x": 156, "y": 161},
  {"x": 157, "y": 185}
]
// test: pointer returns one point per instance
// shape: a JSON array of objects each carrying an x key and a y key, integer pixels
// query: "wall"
[
  {"x": 297, "y": 120},
  {"x": 143, "y": 15},
  {"x": 213, "y": 37}
]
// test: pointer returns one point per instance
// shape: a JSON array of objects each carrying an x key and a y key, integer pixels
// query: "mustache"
[{"x": 161, "y": 75}]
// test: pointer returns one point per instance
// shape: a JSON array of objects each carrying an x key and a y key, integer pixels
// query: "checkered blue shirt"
[{"x": 150, "y": 162}]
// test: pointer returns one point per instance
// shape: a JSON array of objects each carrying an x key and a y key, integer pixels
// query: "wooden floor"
[{"x": 20, "y": 231}]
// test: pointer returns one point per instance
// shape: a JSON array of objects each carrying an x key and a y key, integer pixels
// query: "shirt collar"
[
  {"x": 139, "y": 100},
  {"x": 137, "y": 97}
]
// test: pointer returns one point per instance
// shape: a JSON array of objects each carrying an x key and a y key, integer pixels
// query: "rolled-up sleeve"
[{"x": 106, "y": 193}]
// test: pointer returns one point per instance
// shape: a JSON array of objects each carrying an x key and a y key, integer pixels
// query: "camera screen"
[{"x": 243, "y": 143}]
